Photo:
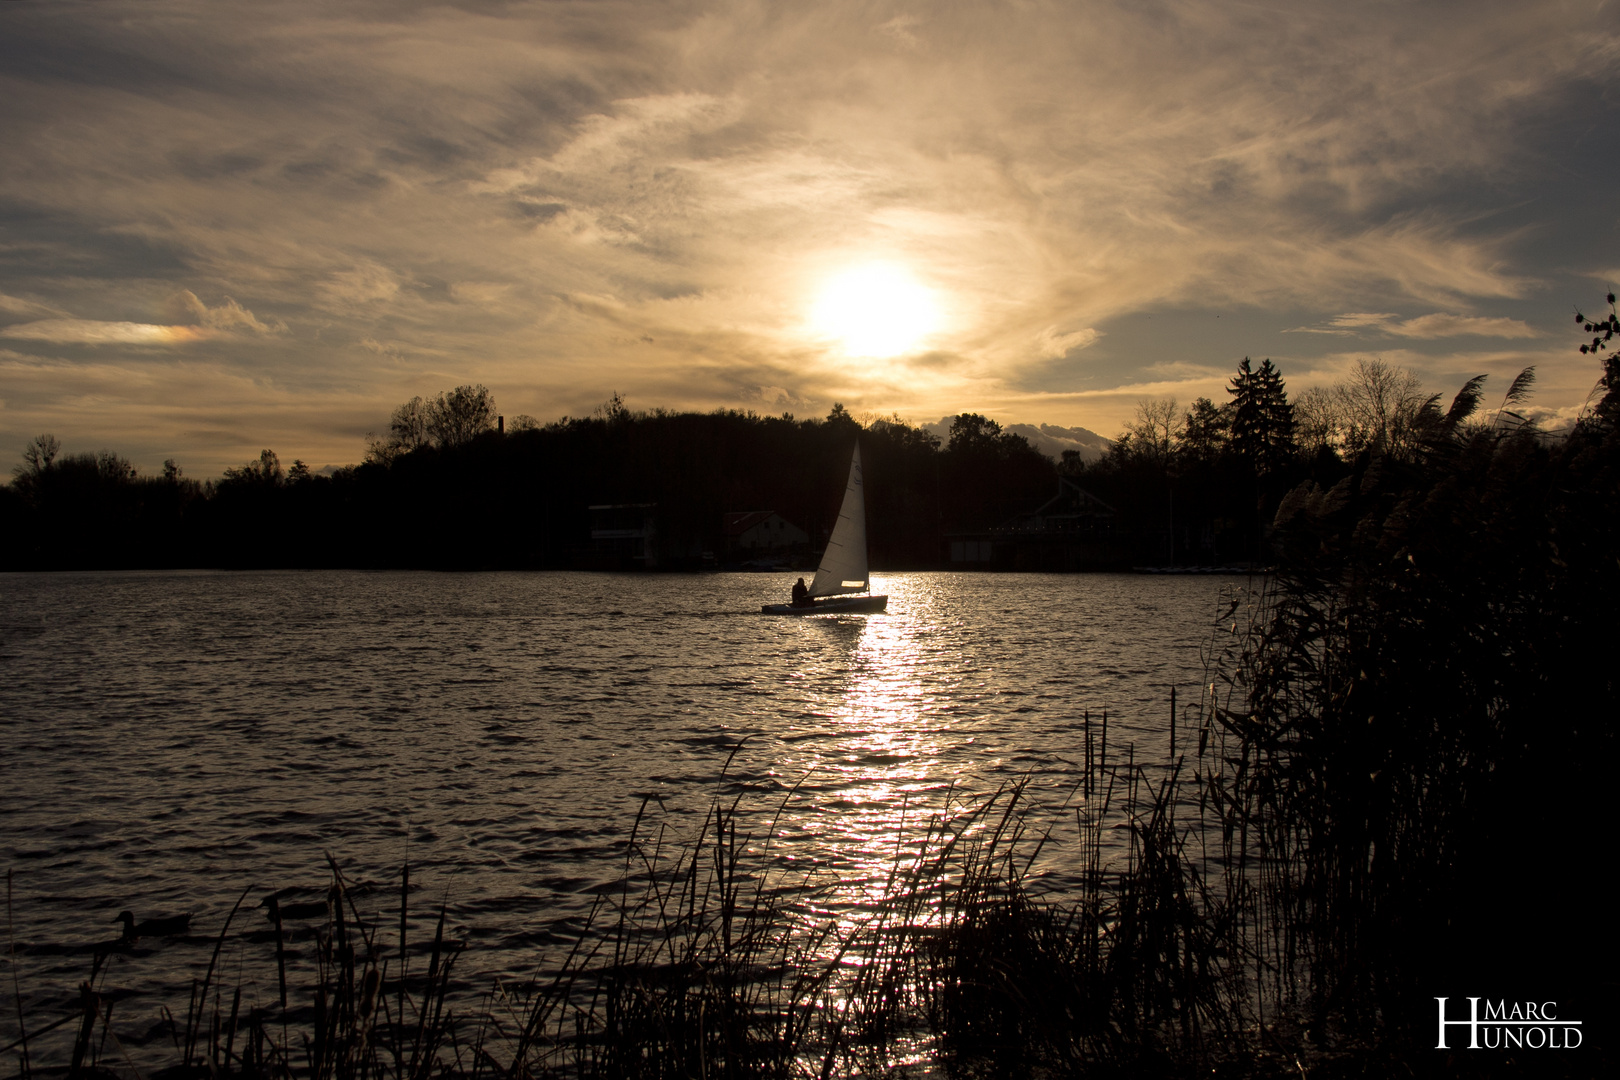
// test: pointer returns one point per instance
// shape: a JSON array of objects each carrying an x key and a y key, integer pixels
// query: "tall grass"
[
  {"x": 1195, "y": 928},
  {"x": 701, "y": 964},
  {"x": 348, "y": 1029},
  {"x": 1397, "y": 766},
  {"x": 705, "y": 960}
]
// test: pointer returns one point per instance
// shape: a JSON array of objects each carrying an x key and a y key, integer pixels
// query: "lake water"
[{"x": 171, "y": 739}]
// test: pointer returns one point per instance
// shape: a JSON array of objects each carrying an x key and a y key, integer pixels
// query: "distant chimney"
[{"x": 500, "y": 425}]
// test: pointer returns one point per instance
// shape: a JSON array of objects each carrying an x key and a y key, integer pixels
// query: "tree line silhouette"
[
  {"x": 1411, "y": 742},
  {"x": 451, "y": 484},
  {"x": 446, "y": 488}
]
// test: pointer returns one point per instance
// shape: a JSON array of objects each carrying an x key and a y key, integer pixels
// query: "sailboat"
[{"x": 843, "y": 569}]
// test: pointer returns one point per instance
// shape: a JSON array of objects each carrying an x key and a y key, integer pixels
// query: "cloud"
[
  {"x": 1054, "y": 346},
  {"x": 1435, "y": 325},
  {"x": 782, "y": 398},
  {"x": 378, "y": 348},
  {"x": 486, "y": 293},
  {"x": 1347, "y": 325},
  {"x": 366, "y": 282},
  {"x": 1052, "y": 440},
  {"x": 228, "y": 315},
  {"x": 18, "y": 306},
  {"x": 91, "y": 332},
  {"x": 1440, "y": 325},
  {"x": 524, "y": 194},
  {"x": 207, "y": 417},
  {"x": 899, "y": 30},
  {"x": 193, "y": 321}
]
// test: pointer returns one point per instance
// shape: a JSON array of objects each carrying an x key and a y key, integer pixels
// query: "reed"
[
  {"x": 1389, "y": 735},
  {"x": 703, "y": 968},
  {"x": 705, "y": 961},
  {"x": 1197, "y": 945}
]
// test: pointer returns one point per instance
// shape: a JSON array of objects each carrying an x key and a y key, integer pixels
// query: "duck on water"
[{"x": 167, "y": 926}]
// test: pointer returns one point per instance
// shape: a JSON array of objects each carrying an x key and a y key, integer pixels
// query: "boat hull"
[{"x": 831, "y": 605}]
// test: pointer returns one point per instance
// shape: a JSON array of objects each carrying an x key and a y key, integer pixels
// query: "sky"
[{"x": 226, "y": 227}]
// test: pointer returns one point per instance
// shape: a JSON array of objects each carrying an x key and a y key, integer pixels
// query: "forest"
[{"x": 451, "y": 484}]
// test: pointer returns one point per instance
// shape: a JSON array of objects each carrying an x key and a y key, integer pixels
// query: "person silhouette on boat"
[{"x": 801, "y": 595}]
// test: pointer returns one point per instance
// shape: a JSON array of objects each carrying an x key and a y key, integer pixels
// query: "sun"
[{"x": 876, "y": 310}]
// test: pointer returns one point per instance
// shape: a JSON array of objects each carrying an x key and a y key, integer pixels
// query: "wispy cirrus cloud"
[
  {"x": 20, "y": 307},
  {"x": 94, "y": 332},
  {"x": 193, "y": 321},
  {"x": 561, "y": 200},
  {"x": 1441, "y": 325},
  {"x": 227, "y": 316},
  {"x": 1054, "y": 345},
  {"x": 1432, "y": 326},
  {"x": 1349, "y": 323}
]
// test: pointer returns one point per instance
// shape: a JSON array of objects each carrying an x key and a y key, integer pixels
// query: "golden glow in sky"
[
  {"x": 877, "y": 310},
  {"x": 736, "y": 205}
]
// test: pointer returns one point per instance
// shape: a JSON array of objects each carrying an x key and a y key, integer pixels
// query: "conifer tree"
[
  {"x": 1262, "y": 419},
  {"x": 1205, "y": 430}
]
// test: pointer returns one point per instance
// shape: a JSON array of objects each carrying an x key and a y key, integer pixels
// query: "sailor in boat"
[{"x": 843, "y": 569}]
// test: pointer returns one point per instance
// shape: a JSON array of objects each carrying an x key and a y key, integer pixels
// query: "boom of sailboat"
[{"x": 842, "y": 583}]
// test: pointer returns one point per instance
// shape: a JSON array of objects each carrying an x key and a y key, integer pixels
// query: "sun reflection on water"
[
  {"x": 885, "y": 751},
  {"x": 832, "y": 743},
  {"x": 879, "y": 772}
]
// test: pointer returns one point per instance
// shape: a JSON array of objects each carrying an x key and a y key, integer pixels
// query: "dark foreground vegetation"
[{"x": 1395, "y": 789}]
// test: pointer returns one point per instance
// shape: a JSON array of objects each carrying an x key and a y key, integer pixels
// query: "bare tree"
[
  {"x": 1318, "y": 420},
  {"x": 452, "y": 419},
  {"x": 461, "y": 415},
  {"x": 40, "y": 453},
  {"x": 381, "y": 451},
  {"x": 114, "y": 467},
  {"x": 265, "y": 472},
  {"x": 408, "y": 427},
  {"x": 1380, "y": 407},
  {"x": 613, "y": 410},
  {"x": 1154, "y": 428}
]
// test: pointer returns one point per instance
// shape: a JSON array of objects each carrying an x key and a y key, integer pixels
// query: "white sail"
[{"x": 843, "y": 564}]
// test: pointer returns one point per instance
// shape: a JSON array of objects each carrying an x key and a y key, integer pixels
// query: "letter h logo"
[{"x": 1472, "y": 1024}]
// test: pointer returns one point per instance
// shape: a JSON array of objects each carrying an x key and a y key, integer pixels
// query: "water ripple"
[{"x": 175, "y": 738}]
